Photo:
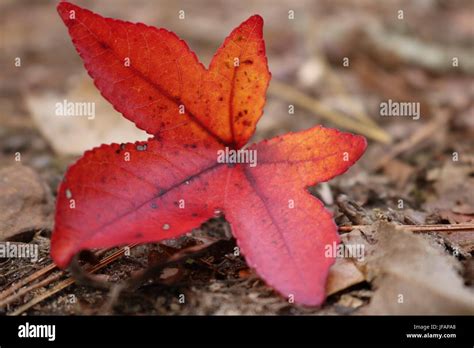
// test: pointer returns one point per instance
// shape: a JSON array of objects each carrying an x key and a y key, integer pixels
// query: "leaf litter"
[{"x": 375, "y": 192}]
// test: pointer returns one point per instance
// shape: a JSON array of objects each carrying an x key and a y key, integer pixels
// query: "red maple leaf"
[{"x": 164, "y": 187}]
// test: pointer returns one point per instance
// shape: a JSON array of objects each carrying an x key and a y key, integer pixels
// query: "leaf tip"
[
  {"x": 257, "y": 19},
  {"x": 360, "y": 143},
  {"x": 255, "y": 22},
  {"x": 64, "y": 9},
  {"x": 61, "y": 251}
]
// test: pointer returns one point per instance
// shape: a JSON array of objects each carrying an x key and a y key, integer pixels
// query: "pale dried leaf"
[
  {"x": 72, "y": 135},
  {"x": 26, "y": 203}
]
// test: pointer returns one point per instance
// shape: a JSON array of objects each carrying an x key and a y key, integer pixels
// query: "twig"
[
  {"x": 340, "y": 87},
  {"x": 174, "y": 260},
  {"x": 133, "y": 283},
  {"x": 412, "y": 50},
  {"x": 62, "y": 285},
  {"x": 32, "y": 277},
  {"x": 197, "y": 250},
  {"x": 6, "y": 296},
  {"x": 65, "y": 283},
  {"x": 409, "y": 143},
  {"x": 420, "y": 228},
  {"x": 52, "y": 278},
  {"x": 293, "y": 95}
]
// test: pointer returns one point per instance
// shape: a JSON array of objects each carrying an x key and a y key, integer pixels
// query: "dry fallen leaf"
[
  {"x": 342, "y": 275},
  {"x": 410, "y": 274},
  {"x": 72, "y": 135},
  {"x": 26, "y": 204},
  {"x": 453, "y": 184}
]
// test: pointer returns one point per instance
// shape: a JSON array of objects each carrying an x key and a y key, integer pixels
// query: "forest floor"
[{"x": 416, "y": 171}]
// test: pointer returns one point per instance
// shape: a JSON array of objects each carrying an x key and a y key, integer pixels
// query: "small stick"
[
  {"x": 339, "y": 86},
  {"x": 32, "y": 277},
  {"x": 65, "y": 283},
  {"x": 420, "y": 228},
  {"x": 293, "y": 95},
  {"x": 62, "y": 285},
  {"x": 410, "y": 142},
  {"x": 52, "y": 278},
  {"x": 6, "y": 295}
]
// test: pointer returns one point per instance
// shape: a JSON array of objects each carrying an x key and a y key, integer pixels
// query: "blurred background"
[{"x": 332, "y": 62}]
